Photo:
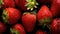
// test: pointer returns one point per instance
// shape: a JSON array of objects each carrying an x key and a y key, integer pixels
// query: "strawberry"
[
  {"x": 2, "y": 28},
  {"x": 26, "y": 4},
  {"x": 40, "y": 32},
  {"x": 29, "y": 21},
  {"x": 11, "y": 15},
  {"x": 17, "y": 29},
  {"x": 44, "y": 16},
  {"x": 7, "y": 3},
  {"x": 55, "y": 26},
  {"x": 44, "y": 1},
  {"x": 55, "y": 7}
]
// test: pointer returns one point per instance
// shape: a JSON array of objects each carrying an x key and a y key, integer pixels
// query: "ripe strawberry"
[
  {"x": 7, "y": 3},
  {"x": 55, "y": 26},
  {"x": 29, "y": 21},
  {"x": 44, "y": 1},
  {"x": 11, "y": 15},
  {"x": 40, "y": 32},
  {"x": 44, "y": 16},
  {"x": 2, "y": 27},
  {"x": 26, "y": 4},
  {"x": 55, "y": 7},
  {"x": 17, "y": 29}
]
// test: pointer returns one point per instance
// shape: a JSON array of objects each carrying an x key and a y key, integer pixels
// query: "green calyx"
[
  {"x": 30, "y": 13},
  {"x": 25, "y": 13},
  {"x": 1, "y": 2},
  {"x": 5, "y": 16},
  {"x": 45, "y": 21},
  {"x": 33, "y": 12},
  {"x": 31, "y": 4},
  {"x": 13, "y": 31}
]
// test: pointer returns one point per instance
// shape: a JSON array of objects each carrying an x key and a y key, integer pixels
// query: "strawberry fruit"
[
  {"x": 55, "y": 8},
  {"x": 7, "y": 3},
  {"x": 2, "y": 28},
  {"x": 17, "y": 29},
  {"x": 11, "y": 15},
  {"x": 55, "y": 26},
  {"x": 29, "y": 21},
  {"x": 44, "y": 16},
  {"x": 40, "y": 32}
]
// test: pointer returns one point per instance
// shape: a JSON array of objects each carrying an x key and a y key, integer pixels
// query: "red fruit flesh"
[
  {"x": 29, "y": 21},
  {"x": 40, "y": 32},
  {"x": 55, "y": 8},
  {"x": 55, "y": 26},
  {"x": 8, "y": 3},
  {"x": 21, "y": 4},
  {"x": 44, "y": 12},
  {"x": 2, "y": 27},
  {"x": 19, "y": 28},
  {"x": 13, "y": 15}
]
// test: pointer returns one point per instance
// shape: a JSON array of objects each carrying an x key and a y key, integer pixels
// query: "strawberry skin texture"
[
  {"x": 19, "y": 28},
  {"x": 13, "y": 15},
  {"x": 44, "y": 12},
  {"x": 55, "y": 7},
  {"x": 29, "y": 21},
  {"x": 40, "y": 32},
  {"x": 21, "y": 4},
  {"x": 2, "y": 27},
  {"x": 8, "y": 3},
  {"x": 55, "y": 26}
]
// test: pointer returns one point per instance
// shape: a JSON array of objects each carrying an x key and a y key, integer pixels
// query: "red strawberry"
[
  {"x": 26, "y": 4},
  {"x": 11, "y": 15},
  {"x": 7, "y": 3},
  {"x": 29, "y": 21},
  {"x": 55, "y": 8},
  {"x": 2, "y": 27},
  {"x": 44, "y": 1},
  {"x": 17, "y": 29},
  {"x": 40, "y": 32},
  {"x": 44, "y": 15},
  {"x": 55, "y": 26}
]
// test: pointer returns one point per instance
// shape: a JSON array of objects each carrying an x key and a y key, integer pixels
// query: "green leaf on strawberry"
[
  {"x": 11, "y": 15},
  {"x": 5, "y": 16},
  {"x": 28, "y": 0},
  {"x": 13, "y": 31},
  {"x": 45, "y": 21},
  {"x": 1, "y": 2},
  {"x": 31, "y": 4}
]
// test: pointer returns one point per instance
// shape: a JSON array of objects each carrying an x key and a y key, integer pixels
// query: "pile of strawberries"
[{"x": 29, "y": 17}]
